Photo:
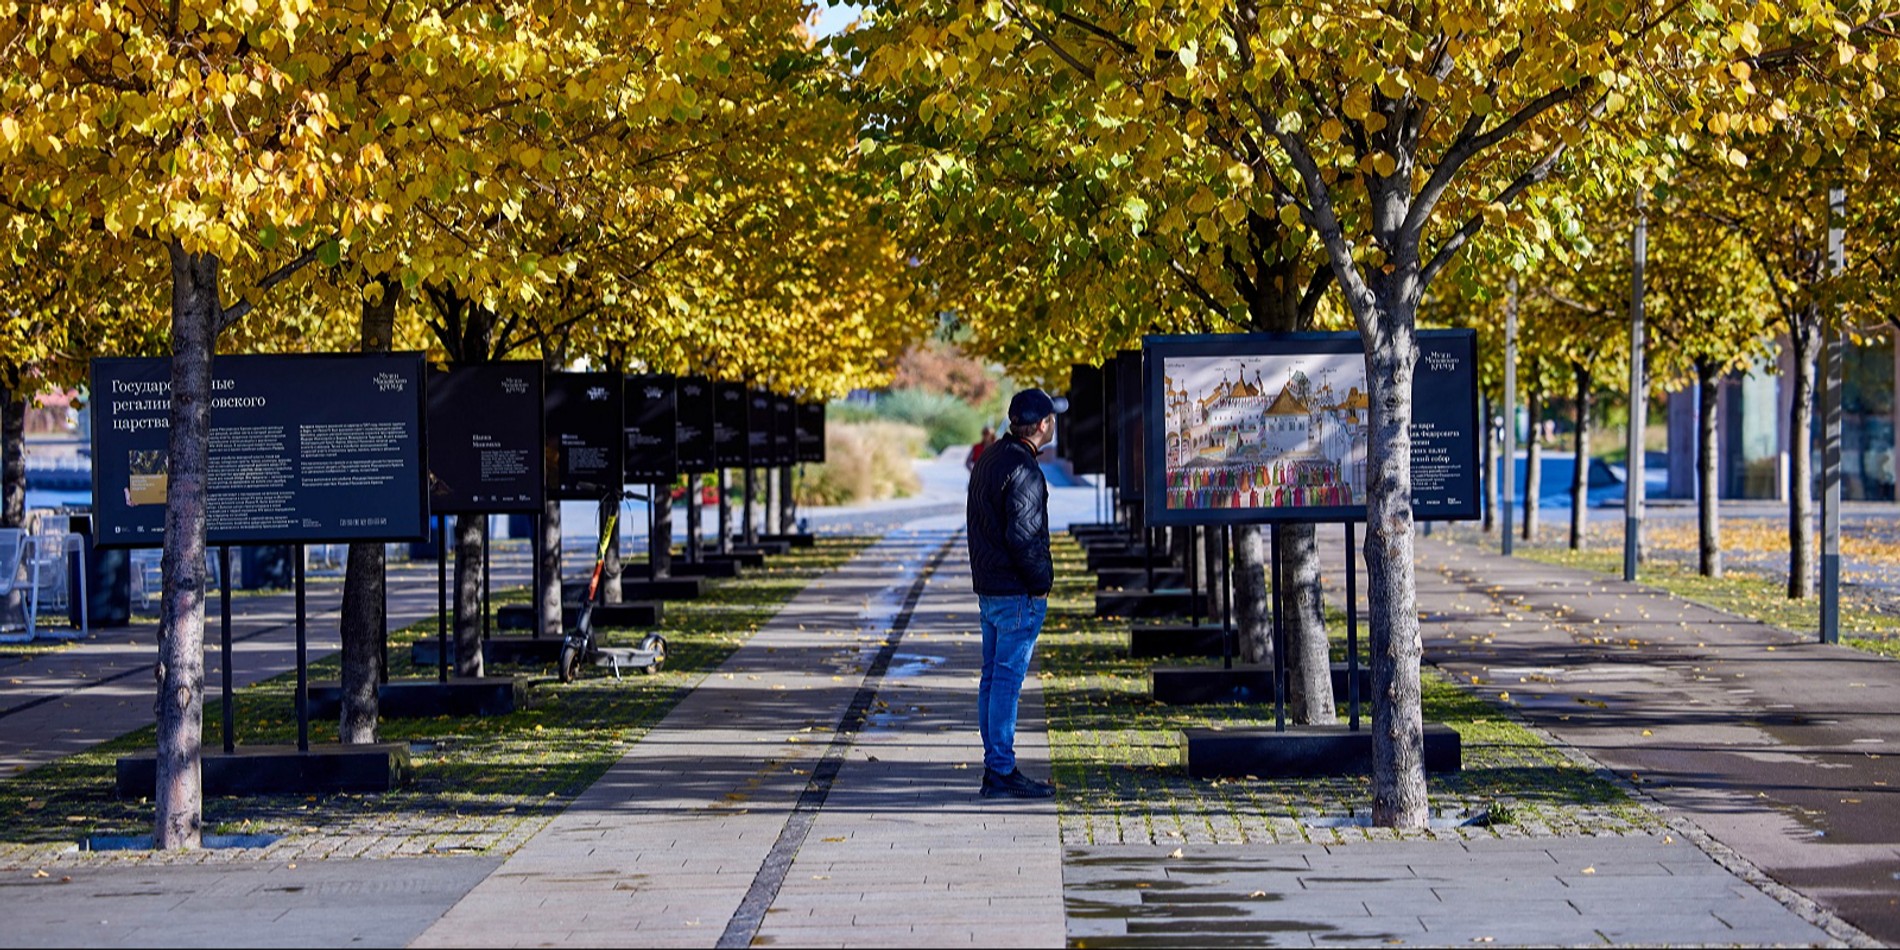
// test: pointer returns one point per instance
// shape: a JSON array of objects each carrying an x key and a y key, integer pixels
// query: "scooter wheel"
[
  {"x": 655, "y": 644},
  {"x": 570, "y": 668}
]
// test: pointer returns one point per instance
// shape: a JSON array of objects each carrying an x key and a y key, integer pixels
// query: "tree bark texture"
[
  {"x": 467, "y": 630},
  {"x": 773, "y": 515},
  {"x": 787, "y": 500},
  {"x": 1806, "y": 340},
  {"x": 1580, "y": 476},
  {"x": 548, "y": 550},
  {"x": 1708, "y": 503},
  {"x": 1253, "y": 614},
  {"x": 362, "y": 622},
  {"x": 750, "y": 520},
  {"x": 725, "y": 511},
  {"x": 196, "y": 311},
  {"x": 660, "y": 542},
  {"x": 1308, "y": 655},
  {"x": 13, "y": 457},
  {"x": 1533, "y": 456},
  {"x": 1210, "y": 571},
  {"x": 13, "y": 478},
  {"x": 1398, "y": 728}
]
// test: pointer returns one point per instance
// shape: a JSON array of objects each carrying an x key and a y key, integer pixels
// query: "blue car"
[{"x": 1604, "y": 490}]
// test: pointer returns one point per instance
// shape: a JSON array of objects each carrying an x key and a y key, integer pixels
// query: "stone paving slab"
[
  {"x": 663, "y": 849},
  {"x": 1430, "y": 892},
  {"x": 904, "y": 831},
  {"x": 378, "y": 903},
  {"x": 1770, "y": 745}
]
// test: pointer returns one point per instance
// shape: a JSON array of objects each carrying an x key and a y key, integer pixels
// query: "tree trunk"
[
  {"x": 1490, "y": 465},
  {"x": 548, "y": 549},
  {"x": 13, "y": 479},
  {"x": 725, "y": 511},
  {"x": 1210, "y": 572},
  {"x": 1181, "y": 549},
  {"x": 1398, "y": 728},
  {"x": 196, "y": 312},
  {"x": 362, "y": 623},
  {"x": 1708, "y": 504},
  {"x": 1805, "y": 338},
  {"x": 1253, "y": 615},
  {"x": 787, "y": 503},
  {"x": 1533, "y": 456},
  {"x": 1580, "y": 476},
  {"x": 773, "y": 516},
  {"x": 1308, "y": 657},
  {"x": 13, "y": 457},
  {"x": 660, "y": 541},
  {"x": 467, "y": 631},
  {"x": 749, "y": 520}
]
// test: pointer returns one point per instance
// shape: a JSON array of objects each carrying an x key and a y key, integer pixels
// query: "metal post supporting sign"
[
  {"x": 1831, "y": 431},
  {"x": 303, "y": 660},
  {"x": 441, "y": 599},
  {"x": 224, "y": 646}
]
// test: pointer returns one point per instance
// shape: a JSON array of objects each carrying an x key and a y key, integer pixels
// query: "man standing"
[{"x": 1008, "y": 513}]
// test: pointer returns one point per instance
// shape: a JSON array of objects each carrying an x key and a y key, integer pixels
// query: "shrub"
[
  {"x": 864, "y": 461},
  {"x": 948, "y": 420}
]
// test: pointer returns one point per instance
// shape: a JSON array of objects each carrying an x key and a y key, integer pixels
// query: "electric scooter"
[{"x": 579, "y": 647}]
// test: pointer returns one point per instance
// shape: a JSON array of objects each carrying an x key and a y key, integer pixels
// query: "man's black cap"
[{"x": 1033, "y": 405}]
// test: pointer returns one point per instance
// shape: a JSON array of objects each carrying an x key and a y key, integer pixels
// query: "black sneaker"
[{"x": 1014, "y": 785}]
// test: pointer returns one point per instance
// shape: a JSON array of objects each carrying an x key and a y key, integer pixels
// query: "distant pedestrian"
[
  {"x": 983, "y": 442},
  {"x": 1008, "y": 514}
]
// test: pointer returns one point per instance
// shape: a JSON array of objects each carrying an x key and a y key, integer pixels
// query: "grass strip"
[
  {"x": 481, "y": 783},
  {"x": 1742, "y": 593},
  {"x": 1116, "y": 754}
]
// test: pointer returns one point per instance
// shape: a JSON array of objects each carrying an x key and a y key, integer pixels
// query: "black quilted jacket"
[{"x": 1008, "y": 513}]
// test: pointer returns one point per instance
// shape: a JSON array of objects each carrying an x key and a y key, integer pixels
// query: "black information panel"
[
  {"x": 485, "y": 439},
  {"x": 1127, "y": 423},
  {"x": 784, "y": 431},
  {"x": 811, "y": 432},
  {"x": 304, "y": 449},
  {"x": 731, "y": 424},
  {"x": 1082, "y": 424},
  {"x": 1445, "y": 431},
  {"x": 652, "y": 429},
  {"x": 760, "y": 446},
  {"x": 584, "y": 436},
  {"x": 1272, "y": 427},
  {"x": 694, "y": 426}
]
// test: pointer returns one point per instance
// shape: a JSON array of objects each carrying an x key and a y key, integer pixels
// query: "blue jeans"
[{"x": 1010, "y": 627}]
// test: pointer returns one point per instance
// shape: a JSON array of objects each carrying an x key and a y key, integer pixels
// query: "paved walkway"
[
  {"x": 815, "y": 790},
  {"x": 820, "y": 789},
  {"x": 1786, "y": 751}
]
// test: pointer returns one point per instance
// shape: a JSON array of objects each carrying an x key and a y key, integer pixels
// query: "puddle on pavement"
[
  {"x": 911, "y": 664},
  {"x": 1190, "y": 901}
]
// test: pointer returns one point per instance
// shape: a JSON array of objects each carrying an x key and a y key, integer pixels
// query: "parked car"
[{"x": 1604, "y": 489}]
